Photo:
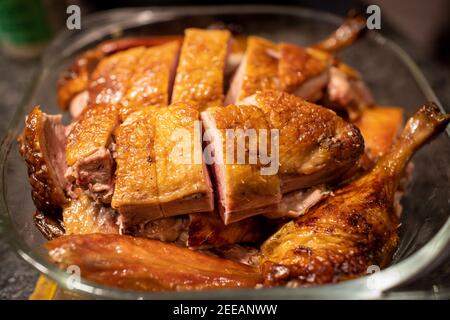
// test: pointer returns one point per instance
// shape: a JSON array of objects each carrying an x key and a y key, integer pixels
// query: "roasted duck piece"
[
  {"x": 200, "y": 71},
  {"x": 312, "y": 73},
  {"x": 75, "y": 80},
  {"x": 346, "y": 92},
  {"x": 148, "y": 265},
  {"x": 183, "y": 181},
  {"x": 88, "y": 153},
  {"x": 137, "y": 77},
  {"x": 315, "y": 146},
  {"x": 243, "y": 190},
  {"x": 357, "y": 227},
  {"x": 42, "y": 146},
  {"x": 303, "y": 71},
  {"x": 132, "y": 78},
  {"x": 136, "y": 190},
  {"x": 257, "y": 71},
  {"x": 150, "y": 183}
]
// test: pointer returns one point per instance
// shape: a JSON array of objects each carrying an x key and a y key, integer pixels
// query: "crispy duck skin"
[
  {"x": 200, "y": 72},
  {"x": 87, "y": 154},
  {"x": 183, "y": 183},
  {"x": 316, "y": 145},
  {"x": 42, "y": 145},
  {"x": 111, "y": 78},
  {"x": 91, "y": 132},
  {"x": 136, "y": 191},
  {"x": 152, "y": 79},
  {"x": 150, "y": 183},
  {"x": 311, "y": 73},
  {"x": 258, "y": 70},
  {"x": 303, "y": 71},
  {"x": 243, "y": 191},
  {"x": 357, "y": 227},
  {"x": 148, "y": 265},
  {"x": 379, "y": 126},
  {"x": 133, "y": 78},
  {"x": 76, "y": 78}
]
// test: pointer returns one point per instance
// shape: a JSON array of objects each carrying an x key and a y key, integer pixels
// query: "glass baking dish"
[{"x": 389, "y": 72}]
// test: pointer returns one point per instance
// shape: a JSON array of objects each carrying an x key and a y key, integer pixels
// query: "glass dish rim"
[{"x": 103, "y": 24}]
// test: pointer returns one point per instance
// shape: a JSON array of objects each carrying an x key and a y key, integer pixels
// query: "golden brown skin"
[
  {"x": 315, "y": 144},
  {"x": 261, "y": 67},
  {"x": 148, "y": 265},
  {"x": 110, "y": 79},
  {"x": 200, "y": 71},
  {"x": 357, "y": 227},
  {"x": 91, "y": 132},
  {"x": 152, "y": 79},
  {"x": 35, "y": 148},
  {"x": 183, "y": 182},
  {"x": 135, "y": 78},
  {"x": 242, "y": 189},
  {"x": 76, "y": 78},
  {"x": 297, "y": 65},
  {"x": 151, "y": 182},
  {"x": 135, "y": 177},
  {"x": 380, "y": 126}
]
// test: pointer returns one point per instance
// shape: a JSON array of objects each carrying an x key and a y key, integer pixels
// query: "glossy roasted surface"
[
  {"x": 380, "y": 126},
  {"x": 152, "y": 79},
  {"x": 47, "y": 192},
  {"x": 135, "y": 176},
  {"x": 159, "y": 163},
  {"x": 148, "y": 265},
  {"x": 356, "y": 228},
  {"x": 92, "y": 131},
  {"x": 200, "y": 71},
  {"x": 180, "y": 170},
  {"x": 298, "y": 65},
  {"x": 260, "y": 67},
  {"x": 241, "y": 185},
  {"x": 208, "y": 230},
  {"x": 76, "y": 78},
  {"x": 312, "y": 138}
]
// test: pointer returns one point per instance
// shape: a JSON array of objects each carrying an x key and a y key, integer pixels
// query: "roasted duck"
[
  {"x": 312, "y": 73},
  {"x": 149, "y": 265},
  {"x": 186, "y": 154},
  {"x": 357, "y": 227},
  {"x": 315, "y": 146}
]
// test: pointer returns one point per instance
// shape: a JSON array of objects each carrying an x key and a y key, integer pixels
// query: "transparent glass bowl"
[{"x": 390, "y": 73}]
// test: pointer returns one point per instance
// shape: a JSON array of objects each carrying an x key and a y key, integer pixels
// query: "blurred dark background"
[{"x": 422, "y": 28}]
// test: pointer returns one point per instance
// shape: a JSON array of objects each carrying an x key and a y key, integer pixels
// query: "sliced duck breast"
[
  {"x": 42, "y": 146},
  {"x": 200, "y": 72}
]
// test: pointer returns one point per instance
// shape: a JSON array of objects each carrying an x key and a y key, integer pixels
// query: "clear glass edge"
[{"x": 388, "y": 278}]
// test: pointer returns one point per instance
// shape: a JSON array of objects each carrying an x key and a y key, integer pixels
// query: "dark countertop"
[{"x": 17, "y": 278}]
